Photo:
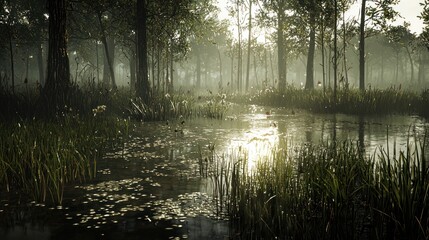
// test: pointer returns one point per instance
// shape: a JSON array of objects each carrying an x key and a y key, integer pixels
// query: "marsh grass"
[
  {"x": 370, "y": 101},
  {"x": 218, "y": 169},
  {"x": 161, "y": 108},
  {"x": 179, "y": 105},
  {"x": 400, "y": 194},
  {"x": 332, "y": 191},
  {"x": 38, "y": 158}
]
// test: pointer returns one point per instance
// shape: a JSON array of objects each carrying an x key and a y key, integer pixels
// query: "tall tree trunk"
[
  {"x": 309, "y": 81},
  {"x": 411, "y": 63},
  {"x": 109, "y": 50},
  {"x": 240, "y": 55},
  {"x": 362, "y": 48},
  {"x": 158, "y": 68},
  {"x": 143, "y": 86},
  {"x": 281, "y": 49},
  {"x": 133, "y": 70},
  {"x": 335, "y": 51},
  {"x": 109, "y": 57},
  {"x": 220, "y": 68},
  {"x": 346, "y": 75},
  {"x": 57, "y": 85},
  {"x": 10, "y": 28},
  {"x": 421, "y": 68},
  {"x": 171, "y": 82},
  {"x": 198, "y": 68},
  {"x": 255, "y": 71},
  {"x": 329, "y": 65},
  {"x": 167, "y": 72},
  {"x": 272, "y": 68},
  {"x": 232, "y": 70},
  {"x": 152, "y": 59},
  {"x": 40, "y": 64},
  {"x": 106, "y": 71},
  {"x": 97, "y": 61},
  {"x": 12, "y": 67},
  {"x": 266, "y": 66},
  {"x": 249, "y": 45},
  {"x": 382, "y": 69},
  {"x": 323, "y": 56}
]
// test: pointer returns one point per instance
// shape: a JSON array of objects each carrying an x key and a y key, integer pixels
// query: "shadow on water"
[{"x": 150, "y": 185}]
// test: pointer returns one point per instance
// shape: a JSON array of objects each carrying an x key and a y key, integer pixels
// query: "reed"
[
  {"x": 38, "y": 158},
  {"x": 351, "y": 101},
  {"x": 179, "y": 105},
  {"x": 161, "y": 108},
  {"x": 332, "y": 191},
  {"x": 400, "y": 194}
]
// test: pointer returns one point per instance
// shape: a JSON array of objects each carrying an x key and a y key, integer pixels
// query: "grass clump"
[
  {"x": 161, "y": 107},
  {"x": 331, "y": 192},
  {"x": 179, "y": 105},
  {"x": 38, "y": 158}
]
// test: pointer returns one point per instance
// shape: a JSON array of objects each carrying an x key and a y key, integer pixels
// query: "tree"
[
  {"x": 275, "y": 12},
  {"x": 235, "y": 11},
  {"x": 362, "y": 47},
  {"x": 105, "y": 21},
  {"x": 403, "y": 38},
  {"x": 37, "y": 27},
  {"x": 142, "y": 85},
  {"x": 57, "y": 85},
  {"x": 310, "y": 10},
  {"x": 249, "y": 45},
  {"x": 281, "y": 51},
  {"x": 380, "y": 14}
]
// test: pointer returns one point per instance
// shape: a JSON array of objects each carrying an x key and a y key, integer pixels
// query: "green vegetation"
[
  {"x": 178, "y": 106},
  {"x": 333, "y": 191},
  {"x": 371, "y": 101},
  {"x": 41, "y": 152},
  {"x": 38, "y": 158}
]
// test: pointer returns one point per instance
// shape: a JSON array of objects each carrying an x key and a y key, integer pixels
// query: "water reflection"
[
  {"x": 258, "y": 133},
  {"x": 151, "y": 185}
]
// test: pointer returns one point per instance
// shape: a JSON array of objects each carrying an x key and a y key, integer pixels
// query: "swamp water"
[{"x": 150, "y": 186}]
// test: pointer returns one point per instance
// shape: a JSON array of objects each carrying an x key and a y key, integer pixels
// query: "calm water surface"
[{"x": 149, "y": 187}]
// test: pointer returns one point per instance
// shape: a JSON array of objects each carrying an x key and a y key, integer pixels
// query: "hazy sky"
[{"x": 408, "y": 9}]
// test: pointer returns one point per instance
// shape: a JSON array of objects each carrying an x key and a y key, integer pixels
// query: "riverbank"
[{"x": 347, "y": 101}]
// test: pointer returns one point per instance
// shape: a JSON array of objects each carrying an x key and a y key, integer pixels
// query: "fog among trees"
[{"x": 163, "y": 46}]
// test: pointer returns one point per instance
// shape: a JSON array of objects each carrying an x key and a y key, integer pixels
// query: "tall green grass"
[
  {"x": 38, "y": 158},
  {"x": 164, "y": 107},
  {"x": 333, "y": 191},
  {"x": 370, "y": 101}
]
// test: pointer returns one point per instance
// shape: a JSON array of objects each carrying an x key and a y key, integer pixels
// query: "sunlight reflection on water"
[
  {"x": 258, "y": 141},
  {"x": 263, "y": 131}
]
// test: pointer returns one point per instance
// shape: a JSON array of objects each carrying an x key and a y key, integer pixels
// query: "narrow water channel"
[{"x": 150, "y": 186}]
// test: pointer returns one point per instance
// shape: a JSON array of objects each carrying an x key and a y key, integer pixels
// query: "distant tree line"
[{"x": 166, "y": 45}]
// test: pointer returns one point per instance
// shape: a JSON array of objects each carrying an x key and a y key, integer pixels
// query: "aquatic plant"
[
  {"x": 161, "y": 108},
  {"x": 178, "y": 105},
  {"x": 370, "y": 101},
  {"x": 332, "y": 191},
  {"x": 38, "y": 158},
  {"x": 400, "y": 194},
  {"x": 215, "y": 107}
]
